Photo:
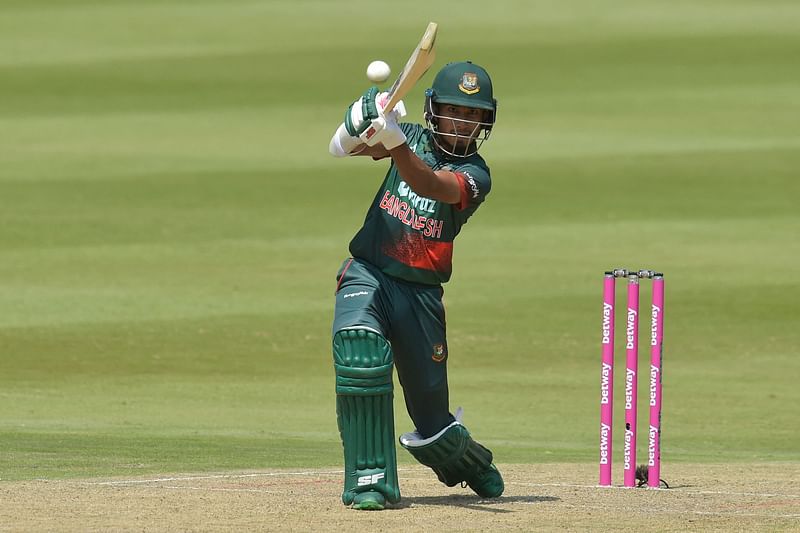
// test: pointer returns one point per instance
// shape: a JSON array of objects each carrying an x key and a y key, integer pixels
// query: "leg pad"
[{"x": 365, "y": 415}]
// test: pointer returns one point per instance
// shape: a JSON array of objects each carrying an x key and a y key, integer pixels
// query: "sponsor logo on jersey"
[
  {"x": 473, "y": 185},
  {"x": 438, "y": 353},
  {"x": 419, "y": 203},
  {"x": 354, "y": 294},
  {"x": 469, "y": 83},
  {"x": 403, "y": 211}
]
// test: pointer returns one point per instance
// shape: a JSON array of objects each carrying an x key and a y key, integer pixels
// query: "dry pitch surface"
[{"x": 763, "y": 497}]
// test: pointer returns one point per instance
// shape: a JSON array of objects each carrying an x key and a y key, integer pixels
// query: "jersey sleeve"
[
  {"x": 409, "y": 128},
  {"x": 475, "y": 183}
]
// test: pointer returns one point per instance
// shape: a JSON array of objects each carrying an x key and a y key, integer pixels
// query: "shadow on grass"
[{"x": 473, "y": 502}]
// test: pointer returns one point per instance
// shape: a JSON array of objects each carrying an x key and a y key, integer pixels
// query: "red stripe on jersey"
[
  {"x": 341, "y": 278},
  {"x": 465, "y": 192},
  {"x": 417, "y": 252}
]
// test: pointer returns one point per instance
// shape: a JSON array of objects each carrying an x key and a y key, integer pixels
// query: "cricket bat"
[{"x": 416, "y": 67}]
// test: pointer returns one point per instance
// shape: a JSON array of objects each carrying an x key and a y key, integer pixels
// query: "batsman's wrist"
[
  {"x": 342, "y": 143},
  {"x": 394, "y": 137},
  {"x": 391, "y": 144},
  {"x": 398, "y": 146}
]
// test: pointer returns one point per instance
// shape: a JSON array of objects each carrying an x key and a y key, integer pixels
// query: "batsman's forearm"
[
  {"x": 414, "y": 171},
  {"x": 442, "y": 185}
]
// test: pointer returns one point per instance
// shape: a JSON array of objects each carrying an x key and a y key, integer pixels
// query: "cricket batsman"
[{"x": 389, "y": 310}]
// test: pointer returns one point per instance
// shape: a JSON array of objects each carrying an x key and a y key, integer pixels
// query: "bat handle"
[{"x": 383, "y": 101}]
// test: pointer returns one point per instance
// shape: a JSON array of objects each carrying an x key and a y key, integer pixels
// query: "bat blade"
[{"x": 417, "y": 65}]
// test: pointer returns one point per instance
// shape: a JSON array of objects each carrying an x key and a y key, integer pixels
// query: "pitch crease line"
[
  {"x": 217, "y": 476},
  {"x": 220, "y": 476},
  {"x": 210, "y": 489}
]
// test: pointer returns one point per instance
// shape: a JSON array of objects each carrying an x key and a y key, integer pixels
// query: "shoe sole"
[
  {"x": 369, "y": 501},
  {"x": 368, "y": 505}
]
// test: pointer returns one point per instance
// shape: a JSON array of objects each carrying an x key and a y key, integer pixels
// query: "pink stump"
[
  {"x": 631, "y": 373},
  {"x": 656, "y": 357},
  {"x": 607, "y": 379}
]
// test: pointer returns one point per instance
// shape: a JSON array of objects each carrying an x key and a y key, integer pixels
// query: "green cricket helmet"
[{"x": 463, "y": 84}]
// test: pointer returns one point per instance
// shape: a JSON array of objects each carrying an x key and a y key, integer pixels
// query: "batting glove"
[
  {"x": 361, "y": 113},
  {"x": 384, "y": 130}
]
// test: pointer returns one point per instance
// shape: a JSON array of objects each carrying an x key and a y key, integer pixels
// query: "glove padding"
[
  {"x": 384, "y": 129},
  {"x": 361, "y": 113},
  {"x": 365, "y": 120}
]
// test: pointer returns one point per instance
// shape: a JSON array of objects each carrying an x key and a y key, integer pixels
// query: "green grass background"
[{"x": 171, "y": 224}]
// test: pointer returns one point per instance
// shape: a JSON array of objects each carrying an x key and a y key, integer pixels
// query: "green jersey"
[{"x": 411, "y": 237}]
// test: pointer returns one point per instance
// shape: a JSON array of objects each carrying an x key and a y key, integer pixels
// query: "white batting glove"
[{"x": 384, "y": 130}]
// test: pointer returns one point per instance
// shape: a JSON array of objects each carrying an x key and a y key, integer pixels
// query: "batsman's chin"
[
  {"x": 463, "y": 148},
  {"x": 452, "y": 143}
]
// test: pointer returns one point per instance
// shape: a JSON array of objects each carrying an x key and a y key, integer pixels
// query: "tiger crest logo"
[
  {"x": 439, "y": 353},
  {"x": 469, "y": 83}
]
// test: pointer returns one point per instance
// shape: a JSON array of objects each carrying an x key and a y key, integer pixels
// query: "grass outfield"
[{"x": 171, "y": 224}]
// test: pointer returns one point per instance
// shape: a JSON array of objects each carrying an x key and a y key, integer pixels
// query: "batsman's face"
[{"x": 459, "y": 124}]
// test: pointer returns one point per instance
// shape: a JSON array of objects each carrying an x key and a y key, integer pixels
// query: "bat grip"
[{"x": 382, "y": 102}]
